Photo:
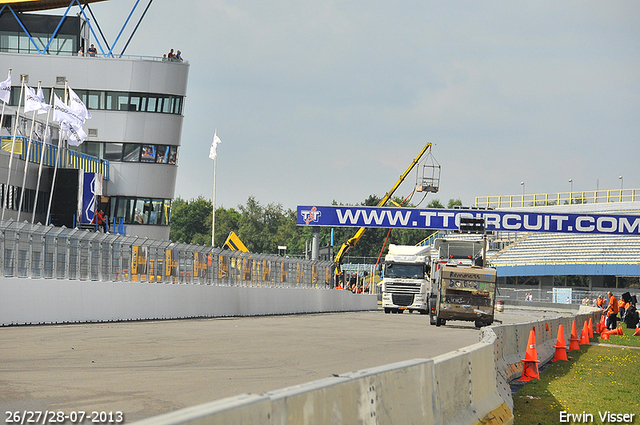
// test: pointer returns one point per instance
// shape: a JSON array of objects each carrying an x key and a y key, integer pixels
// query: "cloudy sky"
[{"x": 323, "y": 100}]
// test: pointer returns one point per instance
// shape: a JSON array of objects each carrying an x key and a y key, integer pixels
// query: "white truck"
[
  {"x": 405, "y": 279},
  {"x": 461, "y": 287}
]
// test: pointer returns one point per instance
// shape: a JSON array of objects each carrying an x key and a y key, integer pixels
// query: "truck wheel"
[
  {"x": 441, "y": 322},
  {"x": 432, "y": 319},
  {"x": 423, "y": 311},
  {"x": 387, "y": 310},
  {"x": 479, "y": 324},
  {"x": 399, "y": 311}
]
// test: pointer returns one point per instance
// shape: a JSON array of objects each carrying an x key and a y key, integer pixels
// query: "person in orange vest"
[
  {"x": 621, "y": 308},
  {"x": 612, "y": 312}
]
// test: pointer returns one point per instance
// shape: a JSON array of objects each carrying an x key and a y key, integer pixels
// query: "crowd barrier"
[{"x": 466, "y": 386}]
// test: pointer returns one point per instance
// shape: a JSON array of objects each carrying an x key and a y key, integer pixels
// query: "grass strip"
[{"x": 596, "y": 382}]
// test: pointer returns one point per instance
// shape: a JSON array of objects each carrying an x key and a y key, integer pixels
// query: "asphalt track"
[{"x": 147, "y": 368}]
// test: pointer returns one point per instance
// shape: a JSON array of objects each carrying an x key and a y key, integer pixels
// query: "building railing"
[
  {"x": 70, "y": 159},
  {"x": 560, "y": 198},
  {"x": 47, "y": 252}
]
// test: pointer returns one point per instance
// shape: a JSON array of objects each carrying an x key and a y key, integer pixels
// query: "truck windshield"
[{"x": 414, "y": 271}]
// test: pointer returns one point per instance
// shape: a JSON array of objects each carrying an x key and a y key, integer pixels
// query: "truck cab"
[{"x": 406, "y": 282}]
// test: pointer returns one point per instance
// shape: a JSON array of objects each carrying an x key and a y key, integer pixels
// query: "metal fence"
[{"x": 38, "y": 251}]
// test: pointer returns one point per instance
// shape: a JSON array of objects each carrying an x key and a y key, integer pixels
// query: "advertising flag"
[
  {"x": 63, "y": 113},
  {"x": 76, "y": 135},
  {"x": 5, "y": 89},
  {"x": 31, "y": 100},
  {"x": 45, "y": 107},
  {"x": 78, "y": 105},
  {"x": 214, "y": 146}
]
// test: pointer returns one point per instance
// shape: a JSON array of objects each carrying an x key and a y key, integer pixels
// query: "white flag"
[
  {"x": 45, "y": 107},
  {"x": 76, "y": 135},
  {"x": 5, "y": 89},
  {"x": 63, "y": 113},
  {"x": 31, "y": 100},
  {"x": 214, "y": 146},
  {"x": 78, "y": 105}
]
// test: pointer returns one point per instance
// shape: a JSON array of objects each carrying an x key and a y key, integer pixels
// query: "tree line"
[{"x": 263, "y": 228}]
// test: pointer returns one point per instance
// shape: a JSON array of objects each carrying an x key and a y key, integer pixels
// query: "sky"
[{"x": 323, "y": 100}]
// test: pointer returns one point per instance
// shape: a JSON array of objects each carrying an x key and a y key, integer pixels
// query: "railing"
[
  {"x": 560, "y": 198},
  {"x": 38, "y": 251},
  {"x": 70, "y": 159}
]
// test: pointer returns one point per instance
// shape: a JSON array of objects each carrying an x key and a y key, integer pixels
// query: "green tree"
[
  {"x": 191, "y": 221},
  {"x": 454, "y": 203}
]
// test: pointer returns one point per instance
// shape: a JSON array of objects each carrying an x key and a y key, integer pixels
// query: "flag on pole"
[
  {"x": 76, "y": 135},
  {"x": 63, "y": 113},
  {"x": 45, "y": 107},
  {"x": 32, "y": 102},
  {"x": 78, "y": 105},
  {"x": 5, "y": 89},
  {"x": 214, "y": 145}
]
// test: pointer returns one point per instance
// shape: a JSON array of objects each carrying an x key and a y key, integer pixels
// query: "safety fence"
[{"x": 38, "y": 251}]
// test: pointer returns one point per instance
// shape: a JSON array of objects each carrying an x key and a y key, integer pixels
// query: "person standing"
[
  {"x": 92, "y": 51},
  {"x": 612, "y": 312},
  {"x": 100, "y": 219}
]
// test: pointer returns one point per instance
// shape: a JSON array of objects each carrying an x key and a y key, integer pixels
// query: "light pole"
[
  {"x": 522, "y": 184},
  {"x": 621, "y": 186},
  {"x": 571, "y": 182}
]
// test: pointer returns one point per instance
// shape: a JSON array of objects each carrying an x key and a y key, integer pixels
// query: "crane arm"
[{"x": 354, "y": 240}]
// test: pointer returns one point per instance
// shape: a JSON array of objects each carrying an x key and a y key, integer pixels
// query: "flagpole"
[
  {"x": 26, "y": 160},
  {"x": 13, "y": 147},
  {"x": 44, "y": 148},
  {"x": 4, "y": 104},
  {"x": 213, "y": 213},
  {"x": 55, "y": 170}
]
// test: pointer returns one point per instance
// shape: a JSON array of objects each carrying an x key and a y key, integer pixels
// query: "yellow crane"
[{"x": 427, "y": 184}]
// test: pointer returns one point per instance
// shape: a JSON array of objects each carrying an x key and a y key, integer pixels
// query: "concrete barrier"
[
  {"x": 39, "y": 301},
  {"x": 467, "y": 386}
]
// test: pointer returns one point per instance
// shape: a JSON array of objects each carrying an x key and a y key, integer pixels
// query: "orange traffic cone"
[
  {"x": 530, "y": 366},
  {"x": 561, "y": 349},
  {"x": 574, "y": 341},
  {"x": 584, "y": 335},
  {"x": 607, "y": 334},
  {"x": 590, "y": 327},
  {"x": 601, "y": 326},
  {"x": 637, "y": 332}
]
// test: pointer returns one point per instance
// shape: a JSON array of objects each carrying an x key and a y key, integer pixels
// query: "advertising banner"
[
  {"x": 91, "y": 189},
  {"x": 511, "y": 221}
]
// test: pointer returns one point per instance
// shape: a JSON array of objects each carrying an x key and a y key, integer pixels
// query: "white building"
[{"x": 134, "y": 134}]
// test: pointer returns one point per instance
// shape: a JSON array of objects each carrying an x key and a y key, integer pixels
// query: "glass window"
[
  {"x": 141, "y": 211},
  {"x": 173, "y": 155},
  {"x": 91, "y": 148},
  {"x": 166, "y": 105},
  {"x": 135, "y": 103},
  {"x": 155, "y": 213},
  {"x": 148, "y": 153},
  {"x": 178, "y": 106},
  {"x": 166, "y": 212},
  {"x": 124, "y": 210},
  {"x": 152, "y": 103},
  {"x": 113, "y": 152},
  {"x": 131, "y": 152},
  {"x": 95, "y": 99},
  {"x": 163, "y": 154}
]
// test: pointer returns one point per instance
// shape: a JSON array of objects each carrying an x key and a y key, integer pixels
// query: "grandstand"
[{"x": 545, "y": 255}]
